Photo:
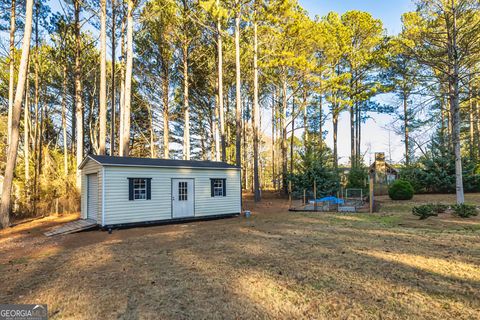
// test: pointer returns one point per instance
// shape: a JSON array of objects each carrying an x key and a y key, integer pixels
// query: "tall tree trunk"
[
  {"x": 335, "y": 115},
  {"x": 405, "y": 124},
  {"x": 455, "y": 104},
  {"x": 64, "y": 119},
  {"x": 471, "y": 111},
  {"x": 352, "y": 136},
  {"x": 122, "y": 90},
  {"x": 153, "y": 153},
  {"x": 283, "y": 127},
  {"x": 203, "y": 151},
  {"x": 456, "y": 141},
  {"x": 442, "y": 125},
  {"x": 216, "y": 132},
  {"x": 186, "y": 107},
  {"x": 472, "y": 132},
  {"x": 78, "y": 93},
  {"x": 477, "y": 117},
  {"x": 5, "y": 204},
  {"x": 113, "y": 93},
  {"x": 292, "y": 136},
  {"x": 220, "y": 88},
  {"x": 335, "y": 138},
  {"x": 255, "y": 111},
  {"x": 245, "y": 133},
  {"x": 166, "y": 129},
  {"x": 274, "y": 127},
  {"x": 128, "y": 81},
  {"x": 26, "y": 134},
  {"x": 450, "y": 118},
  {"x": 305, "y": 120},
  {"x": 43, "y": 117},
  {"x": 227, "y": 123},
  {"x": 36, "y": 147},
  {"x": 358, "y": 134},
  {"x": 103, "y": 77},
  {"x": 238, "y": 117},
  {"x": 11, "y": 80},
  {"x": 320, "y": 123}
]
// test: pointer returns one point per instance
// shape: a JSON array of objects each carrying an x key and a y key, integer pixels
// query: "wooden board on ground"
[
  {"x": 72, "y": 227},
  {"x": 347, "y": 209}
]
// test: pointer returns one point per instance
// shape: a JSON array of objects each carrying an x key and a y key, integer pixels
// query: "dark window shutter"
[
  {"x": 212, "y": 181},
  {"x": 224, "y": 187},
  {"x": 149, "y": 189},
  {"x": 130, "y": 189}
]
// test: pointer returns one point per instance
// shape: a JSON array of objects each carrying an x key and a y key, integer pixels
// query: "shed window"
[
  {"x": 139, "y": 188},
  {"x": 182, "y": 191},
  {"x": 218, "y": 187}
]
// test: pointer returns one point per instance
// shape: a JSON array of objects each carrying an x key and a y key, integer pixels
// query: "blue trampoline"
[{"x": 330, "y": 200}]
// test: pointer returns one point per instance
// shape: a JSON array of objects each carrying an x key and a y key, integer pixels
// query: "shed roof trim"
[{"x": 160, "y": 163}]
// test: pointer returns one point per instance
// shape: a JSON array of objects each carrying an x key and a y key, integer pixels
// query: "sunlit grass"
[{"x": 444, "y": 267}]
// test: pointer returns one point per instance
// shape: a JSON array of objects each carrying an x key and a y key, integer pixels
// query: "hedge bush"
[
  {"x": 465, "y": 210},
  {"x": 440, "y": 207},
  {"x": 401, "y": 190},
  {"x": 424, "y": 211}
]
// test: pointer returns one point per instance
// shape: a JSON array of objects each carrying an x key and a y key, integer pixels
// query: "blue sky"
[
  {"x": 387, "y": 10},
  {"x": 376, "y": 133}
]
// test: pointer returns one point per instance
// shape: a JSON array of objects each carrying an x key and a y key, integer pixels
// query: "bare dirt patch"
[{"x": 277, "y": 264}]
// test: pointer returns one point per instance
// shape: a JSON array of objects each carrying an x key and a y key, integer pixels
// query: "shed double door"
[{"x": 183, "y": 198}]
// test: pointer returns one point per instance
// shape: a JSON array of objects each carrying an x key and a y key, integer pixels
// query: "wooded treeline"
[{"x": 199, "y": 79}]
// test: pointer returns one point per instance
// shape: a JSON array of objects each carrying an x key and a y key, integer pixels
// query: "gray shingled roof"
[{"x": 149, "y": 162}]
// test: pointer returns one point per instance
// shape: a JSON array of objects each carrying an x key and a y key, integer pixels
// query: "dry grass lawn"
[{"x": 276, "y": 265}]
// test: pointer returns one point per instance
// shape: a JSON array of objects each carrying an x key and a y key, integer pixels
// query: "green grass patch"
[
  {"x": 362, "y": 219},
  {"x": 384, "y": 220},
  {"x": 13, "y": 262},
  {"x": 21, "y": 260},
  {"x": 475, "y": 227}
]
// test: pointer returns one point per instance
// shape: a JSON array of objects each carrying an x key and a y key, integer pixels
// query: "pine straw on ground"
[{"x": 277, "y": 265}]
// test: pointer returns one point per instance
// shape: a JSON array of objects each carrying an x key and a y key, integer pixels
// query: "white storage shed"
[{"x": 128, "y": 191}]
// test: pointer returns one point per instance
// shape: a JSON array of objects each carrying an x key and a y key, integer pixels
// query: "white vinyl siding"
[
  {"x": 118, "y": 208},
  {"x": 91, "y": 167}
]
